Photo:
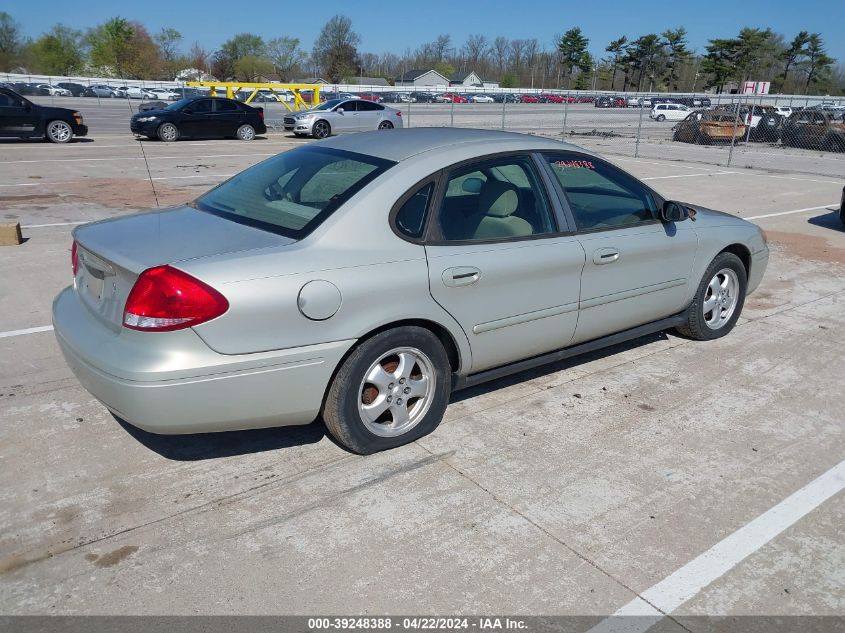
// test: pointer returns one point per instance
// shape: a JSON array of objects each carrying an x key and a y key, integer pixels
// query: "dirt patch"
[
  {"x": 116, "y": 193},
  {"x": 112, "y": 558},
  {"x": 813, "y": 247}
]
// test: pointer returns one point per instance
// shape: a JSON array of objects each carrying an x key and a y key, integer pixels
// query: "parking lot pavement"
[{"x": 570, "y": 489}]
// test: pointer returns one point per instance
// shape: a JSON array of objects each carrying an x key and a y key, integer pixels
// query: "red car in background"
[
  {"x": 371, "y": 97},
  {"x": 529, "y": 99},
  {"x": 456, "y": 98},
  {"x": 557, "y": 99}
]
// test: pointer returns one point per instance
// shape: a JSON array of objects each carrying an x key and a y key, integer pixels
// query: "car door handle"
[
  {"x": 605, "y": 256},
  {"x": 461, "y": 276}
]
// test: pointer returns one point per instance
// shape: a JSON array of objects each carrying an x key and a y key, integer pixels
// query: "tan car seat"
[{"x": 496, "y": 205}]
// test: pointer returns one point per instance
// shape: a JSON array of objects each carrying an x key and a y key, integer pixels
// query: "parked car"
[
  {"x": 451, "y": 97},
  {"x": 272, "y": 284},
  {"x": 200, "y": 117},
  {"x": 20, "y": 118},
  {"x": 814, "y": 129},
  {"x": 476, "y": 98},
  {"x": 701, "y": 102},
  {"x": 163, "y": 94},
  {"x": 424, "y": 97},
  {"x": 763, "y": 122},
  {"x": 397, "y": 97},
  {"x": 342, "y": 115},
  {"x": 669, "y": 111},
  {"x": 32, "y": 90},
  {"x": 705, "y": 127},
  {"x": 784, "y": 111},
  {"x": 605, "y": 101},
  {"x": 529, "y": 99},
  {"x": 505, "y": 97},
  {"x": 370, "y": 96},
  {"x": 55, "y": 91},
  {"x": 136, "y": 92},
  {"x": 75, "y": 89},
  {"x": 100, "y": 90}
]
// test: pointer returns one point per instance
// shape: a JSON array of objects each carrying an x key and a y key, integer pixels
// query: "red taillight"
[
  {"x": 74, "y": 258},
  {"x": 165, "y": 299},
  {"x": 261, "y": 114},
  {"x": 399, "y": 113}
]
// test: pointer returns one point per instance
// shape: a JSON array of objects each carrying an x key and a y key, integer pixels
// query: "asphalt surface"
[{"x": 580, "y": 488}]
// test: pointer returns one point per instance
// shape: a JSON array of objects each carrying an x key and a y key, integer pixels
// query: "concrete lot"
[
  {"x": 611, "y": 130},
  {"x": 574, "y": 489}
]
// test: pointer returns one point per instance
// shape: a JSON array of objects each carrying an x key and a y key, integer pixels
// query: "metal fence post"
[
  {"x": 409, "y": 110},
  {"x": 733, "y": 136},
  {"x": 504, "y": 104},
  {"x": 565, "y": 115},
  {"x": 639, "y": 130},
  {"x": 452, "y": 113}
]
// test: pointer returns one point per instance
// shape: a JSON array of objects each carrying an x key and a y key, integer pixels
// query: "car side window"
[
  {"x": 222, "y": 105},
  {"x": 599, "y": 195},
  {"x": 410, "y": 219},
  {"x": 349, "y": 106},
  {"x": 201, "y": 107},
  {"x": 496, "y": 200},
  {"x": 367, "y": 106},
  {"x": 8, "y": 101}
]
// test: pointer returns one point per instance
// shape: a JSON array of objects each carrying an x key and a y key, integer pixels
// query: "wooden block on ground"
[{"x": 10, "y": 234}]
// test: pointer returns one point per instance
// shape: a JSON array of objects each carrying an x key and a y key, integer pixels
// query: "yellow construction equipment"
[{"x": 233, "y": 87}]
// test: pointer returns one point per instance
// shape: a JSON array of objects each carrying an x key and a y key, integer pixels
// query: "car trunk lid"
[{"x": 112, "y": 253}]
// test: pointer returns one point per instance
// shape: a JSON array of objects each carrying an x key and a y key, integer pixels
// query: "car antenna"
[{"x": 143, "y": 153}]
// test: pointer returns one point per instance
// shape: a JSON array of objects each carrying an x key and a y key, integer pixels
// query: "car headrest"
[{"x": 498, "y": 199}]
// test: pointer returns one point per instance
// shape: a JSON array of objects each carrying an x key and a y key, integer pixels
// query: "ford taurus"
[{"x": 363, "y": 278}]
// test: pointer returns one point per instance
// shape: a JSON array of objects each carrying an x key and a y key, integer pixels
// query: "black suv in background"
[
  {"x": 200, "y": 117},
  {"x": 75, "y": 89},
  {"x": 20, "y": 118}
]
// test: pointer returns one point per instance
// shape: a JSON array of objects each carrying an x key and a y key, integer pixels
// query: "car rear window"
[{"x": 294, "y": 192}]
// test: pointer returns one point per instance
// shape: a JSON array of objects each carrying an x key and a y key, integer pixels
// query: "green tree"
[
  {"x": 336, "y": 48},
  {"x": 616, "y": 48},
  {"x": 818, "y": 62},
  {"x": 285, "y": 55},
  {"x": 168, "y": 43},
  {"x": 572, "y": 47},
  {"x": 675, "y": 43},
  {"x": 644, "y": 57},
  {"x": 111, "y": 45},
  {"x": 794, "y": 52},
  {"x": 445, "y": 68},
  {"x": 720, "y": 62},
  {"x": 752, "y": 47},
  {"x": 240, "y": 46},
  {"x": 10, "y": 41},
  {"x": 252, "y": 68},
  {"x": 59, "y": 52},
  {"x": 508, "y": 81},
  {"x": 586, "y": 71}
]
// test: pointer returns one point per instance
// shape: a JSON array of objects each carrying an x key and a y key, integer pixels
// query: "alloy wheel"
[
  {"x": 720, "y": 298},
  {"x": 396, "y": 392},
  {"x": 59, "y": 132}
]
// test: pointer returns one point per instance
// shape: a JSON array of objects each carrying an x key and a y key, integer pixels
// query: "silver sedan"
[
  {"x": 342, "y": 115},
  {"x": 362, "y": 279}
]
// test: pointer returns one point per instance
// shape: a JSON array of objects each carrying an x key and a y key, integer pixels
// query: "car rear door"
[
  {"x": 637, "y": 269},
  {"x": 500, "y": 261},
  {"x": 226, "y": 118},
  {"x": 369, "y": 115}
]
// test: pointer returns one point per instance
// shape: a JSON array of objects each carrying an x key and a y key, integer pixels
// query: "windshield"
[
  {"x": 178, "y": 105},
  {"x": 292, "y": 193},
  {"x": 328, "y": 105}
]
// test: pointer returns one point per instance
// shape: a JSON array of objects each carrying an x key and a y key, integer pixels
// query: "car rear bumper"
[{"x": 173, "y": 383}]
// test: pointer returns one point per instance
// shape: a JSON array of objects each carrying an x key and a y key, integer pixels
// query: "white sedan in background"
[
  {"x": 164, "y": 94},
  {"x": 55, "y": 91},
  {"x": 669, "y": 112},
  {"x": 481, "y": 99}
]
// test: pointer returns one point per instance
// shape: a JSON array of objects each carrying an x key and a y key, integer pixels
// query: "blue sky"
[{"x": 394, "y": 25}]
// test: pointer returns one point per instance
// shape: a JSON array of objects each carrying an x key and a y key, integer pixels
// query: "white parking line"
[
  {"x": 772, "y": 215},
  {"x": 685, "y": 583},
  {"x": 31, "y": 330},
  {"x": 712, "y": 173},
  {"x": 76, "y": 182}
]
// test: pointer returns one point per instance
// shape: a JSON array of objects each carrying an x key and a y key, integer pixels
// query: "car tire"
[
  {"x": 660, "y": 117},
  {"x": 246, "y": 133},
  {"x": 321, "y": 129},
  {"x": 367, "y": 417},
  {"x": 168, "y": 132},
  {"x": 721, "y": 295},
  {"x": 58, "y": 132},
  {"x": 385, "y": 125}
]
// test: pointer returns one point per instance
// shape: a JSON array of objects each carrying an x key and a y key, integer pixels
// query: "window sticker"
[{"x": 573, "y": 164}]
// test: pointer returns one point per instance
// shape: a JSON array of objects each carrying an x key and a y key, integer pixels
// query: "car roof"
[{"x": 399, "y": 145}]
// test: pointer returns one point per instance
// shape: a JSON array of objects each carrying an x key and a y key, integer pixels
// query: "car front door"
[
  {"x": 18, "y": 117},
  {"x": 196, "y": 119},
  {"x": 369, "y": 115},
  {"x": 500, "y": 263},
  {"x": 344, "y": 121},
  {"x": 637, "y": 268}
]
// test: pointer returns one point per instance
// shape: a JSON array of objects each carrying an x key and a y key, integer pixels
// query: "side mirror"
[
  {"x": 673, "y": 212},
  {"x": 339, "y": 110}
]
